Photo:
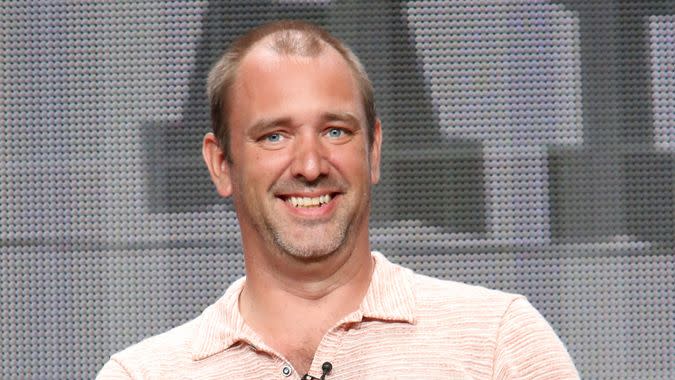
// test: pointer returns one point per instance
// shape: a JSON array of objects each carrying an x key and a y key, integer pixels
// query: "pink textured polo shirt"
[{"x": 408, "y": 326}]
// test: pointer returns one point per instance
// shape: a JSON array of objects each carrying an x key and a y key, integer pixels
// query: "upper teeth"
[{"x": 309, "y": 202}]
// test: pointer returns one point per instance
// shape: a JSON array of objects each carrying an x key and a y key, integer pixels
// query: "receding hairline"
[
  {"x": 264, "y": 55},
  {"x": 286, "y": 37},
  {"x": 287, "y": 43},
  {"x": 270, "y": 44},
  {"x": 294, "y": 42},
  {"x": 277, "y": 47}
]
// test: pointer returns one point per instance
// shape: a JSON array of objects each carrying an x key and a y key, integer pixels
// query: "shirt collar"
[
  {"x": 221, "y": 325},
  {"x": 390, "y": 298}
]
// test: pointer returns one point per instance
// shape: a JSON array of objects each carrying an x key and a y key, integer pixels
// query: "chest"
[
  {"x": 401, "y": 351},
  {"x": 300, "y": 354},
  {"x": 372, "y": 351}
]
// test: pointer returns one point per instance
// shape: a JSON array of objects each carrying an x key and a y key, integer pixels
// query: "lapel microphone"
[{"x": 326, "y": 367}]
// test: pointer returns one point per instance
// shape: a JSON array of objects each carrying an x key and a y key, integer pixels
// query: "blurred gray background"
[{"x": 529, "y": 146}]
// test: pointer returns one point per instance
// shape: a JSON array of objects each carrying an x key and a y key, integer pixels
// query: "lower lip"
[{"x": 319, "y": 212}]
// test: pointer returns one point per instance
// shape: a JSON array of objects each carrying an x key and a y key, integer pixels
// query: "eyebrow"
[
  {"x": 345, "y": 117},
  {"x": 265, "y": 124}
]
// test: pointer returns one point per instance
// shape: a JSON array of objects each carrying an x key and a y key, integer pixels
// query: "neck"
[
  {"x": 273, "y": 280},
  {"x": 292, "y": 302}
]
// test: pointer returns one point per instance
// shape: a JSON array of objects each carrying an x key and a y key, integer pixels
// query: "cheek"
[
  {"x": 263, "y": 168},
  {"x": 271, "y": 161},
  {"x": 354, "y": 163}
]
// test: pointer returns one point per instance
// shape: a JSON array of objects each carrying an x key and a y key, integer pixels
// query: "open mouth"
[{"x": 307, "y": 202}]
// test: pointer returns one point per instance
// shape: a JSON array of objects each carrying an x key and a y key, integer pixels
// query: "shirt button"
[{"x": 287, "y": 370}]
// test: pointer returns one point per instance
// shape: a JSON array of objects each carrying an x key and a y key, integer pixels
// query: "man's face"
[{"x": 302, "y": 168}]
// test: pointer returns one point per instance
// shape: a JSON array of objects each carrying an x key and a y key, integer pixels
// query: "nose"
[{"x": 309, "y": 159}]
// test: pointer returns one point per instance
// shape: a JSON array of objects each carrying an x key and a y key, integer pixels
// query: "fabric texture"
[{"x": 408, "y": 326}]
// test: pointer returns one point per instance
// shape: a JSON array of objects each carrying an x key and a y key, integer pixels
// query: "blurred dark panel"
[{"x": 593, "y": 189}]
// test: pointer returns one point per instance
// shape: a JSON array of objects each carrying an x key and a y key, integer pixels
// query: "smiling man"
[{"x": 296, "y": 144}]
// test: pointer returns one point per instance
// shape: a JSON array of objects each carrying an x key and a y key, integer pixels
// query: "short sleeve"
[{"x": 528, "y": 348}]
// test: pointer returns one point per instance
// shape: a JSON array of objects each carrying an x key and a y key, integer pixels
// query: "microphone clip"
[{"x": 326, "y": 367}]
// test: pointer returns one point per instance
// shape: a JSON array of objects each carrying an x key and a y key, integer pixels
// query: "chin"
[{"x": 310, "y": 252}]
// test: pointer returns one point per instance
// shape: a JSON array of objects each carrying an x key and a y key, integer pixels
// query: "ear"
[
  {"x": 218, "y": 166},
  {"x": 375, "y": 151}
]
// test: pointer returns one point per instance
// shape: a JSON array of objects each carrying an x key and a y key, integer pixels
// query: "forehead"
[{"x": 274, "y": 82}]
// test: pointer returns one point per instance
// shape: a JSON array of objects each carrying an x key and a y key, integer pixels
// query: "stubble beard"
[
  {"x": 314, "y": 248},
  {"x": 325, "y": 241}
]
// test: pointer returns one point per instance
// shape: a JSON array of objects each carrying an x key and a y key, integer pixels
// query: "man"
[{"x": 296, "y": 144}]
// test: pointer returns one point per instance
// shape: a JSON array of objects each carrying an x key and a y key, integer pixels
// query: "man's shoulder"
[
  {"x": 175, "y": 351},
  {"x": 474, "y": 318},
  {"x": 172, "y": 347},
  {"x": 457, "y": 299},
  {"x": 175, "y": 340},
  {"x": 439, "y": 299}
]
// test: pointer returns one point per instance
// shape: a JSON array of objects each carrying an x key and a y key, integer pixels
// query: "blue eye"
[
  {"x": 335, "y": 132},
  {"x": 274, "y": 137}
]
